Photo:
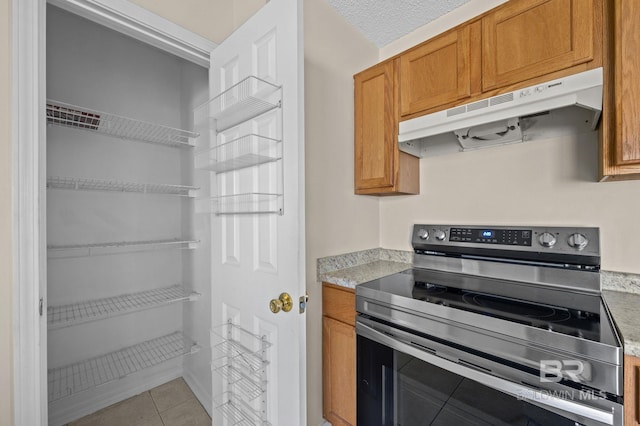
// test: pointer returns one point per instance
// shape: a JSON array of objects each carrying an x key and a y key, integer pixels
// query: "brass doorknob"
[{"x": 284, "y": 303}]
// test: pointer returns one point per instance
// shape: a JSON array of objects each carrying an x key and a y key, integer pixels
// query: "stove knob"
[
  {"x": 577, "y": 241},
  {"x": 440, "y": 235},
  {"x": 547, "y": 239},
  {"x": 423, "y": 234}
]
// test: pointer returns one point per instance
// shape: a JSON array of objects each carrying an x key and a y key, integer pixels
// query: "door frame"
[{"x": 28, "y": 103}]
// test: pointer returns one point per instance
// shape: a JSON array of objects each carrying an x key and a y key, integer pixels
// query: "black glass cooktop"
[
  {"x": 562, "y": 320},
  {"x": 554, "y": 310}
]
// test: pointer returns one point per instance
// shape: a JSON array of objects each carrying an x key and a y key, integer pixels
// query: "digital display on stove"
[{"x": 511, "y": 237}]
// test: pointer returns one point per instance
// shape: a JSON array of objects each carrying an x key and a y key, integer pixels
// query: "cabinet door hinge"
[{"x": 41, "y": 305}]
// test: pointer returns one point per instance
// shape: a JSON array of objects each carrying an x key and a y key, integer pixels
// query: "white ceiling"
[{"x": 384, "y": 21}]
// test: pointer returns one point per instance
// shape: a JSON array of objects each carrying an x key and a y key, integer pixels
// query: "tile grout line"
[{"x": 156, "y": 407}]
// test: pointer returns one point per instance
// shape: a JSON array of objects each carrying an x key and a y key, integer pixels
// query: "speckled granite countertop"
[
  {"x": 351, "y": 269},
  {"x": 351, "y": 277},
  {"x": 621, "y": 291}
]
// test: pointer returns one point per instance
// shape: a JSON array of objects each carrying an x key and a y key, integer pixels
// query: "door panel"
[
  {"x": 436, "y": 73},
  {"x": 339, "y": 371},
  {"x": 375, "y": 127},
  {"x": 256, "y": 257},
  {"x": 528, "y": 39},
  {"x": 627, "y": 66}
]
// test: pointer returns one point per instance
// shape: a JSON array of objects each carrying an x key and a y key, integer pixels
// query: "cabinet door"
[
  {"x": 376, "y": 126},
  {"x": 339, "y": 371},
  {"x": 437, "y": 72},
  {"x": 530, "y": 38},
  {"x": 631, "y": 390},
  {"x": 380, "y": 167},
  {"x": 627, "y": 78},
  {"x": 619, "y": 133}
]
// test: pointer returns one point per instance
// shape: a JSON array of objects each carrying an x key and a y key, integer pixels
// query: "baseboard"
[
  {"x": 325, "y": 423},
  {"x": 203, "y": 395},
  {"x": 81, "y": 404}
]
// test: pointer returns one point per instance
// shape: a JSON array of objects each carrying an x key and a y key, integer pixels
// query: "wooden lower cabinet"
[
  {"x": 339, "y": 355},
  {"x": 631, "y": 390}
]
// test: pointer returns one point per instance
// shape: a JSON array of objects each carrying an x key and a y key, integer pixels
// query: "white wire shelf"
[
  {"x": 68, "y": 115},
  {"x": 57, "y": 182},
  {"x": 246, "y": 151},
  {"x": 248, "y": 99},
  {"x": 98, "y": 309},
  {"x": 84, "y": 375},
  {"x": 237, "y": 412},
  {"x": 249, "y": 203},
  {"x": 80, "y": 250}
]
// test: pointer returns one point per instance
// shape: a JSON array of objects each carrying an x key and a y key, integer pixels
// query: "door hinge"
[
  {"x": 303, "y": 302},
  {"x": 41, "y": 305}
]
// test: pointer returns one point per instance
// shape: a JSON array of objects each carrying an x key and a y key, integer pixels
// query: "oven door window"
[{"x": 397, "y": 389}]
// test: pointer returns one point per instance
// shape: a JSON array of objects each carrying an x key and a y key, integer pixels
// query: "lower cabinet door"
[
  {"x": 339, "y": 372},
  {"x": 631, "y": 390}
]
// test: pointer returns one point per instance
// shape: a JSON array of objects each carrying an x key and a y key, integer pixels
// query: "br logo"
[{"x": 554, "y": 370}]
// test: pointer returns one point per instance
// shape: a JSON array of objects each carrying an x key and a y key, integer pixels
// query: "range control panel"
[
  {"x": 519, "y": 237},
  {"x": 548, "y": 244}
]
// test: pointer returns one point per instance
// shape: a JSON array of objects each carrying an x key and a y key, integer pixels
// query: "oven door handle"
[{"x": 515, "y": 389}]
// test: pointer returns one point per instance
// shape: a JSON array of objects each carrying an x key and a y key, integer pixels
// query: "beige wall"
[
  {"x": 548, "y": 182},
  {"x": 337, "y": 220},
  {"x": 6, "y": 346}
]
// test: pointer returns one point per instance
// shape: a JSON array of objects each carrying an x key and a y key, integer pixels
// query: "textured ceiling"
[{"x": 383, "y": 21}]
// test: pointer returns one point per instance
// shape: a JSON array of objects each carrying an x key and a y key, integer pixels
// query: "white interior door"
[{"x": 258, "y": 256}]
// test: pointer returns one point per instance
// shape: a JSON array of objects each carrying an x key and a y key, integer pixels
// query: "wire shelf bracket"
[
  {"x": 84, "y": 375},
  {"x": 83, "y": 184},
  {"x": 67, "y": 115},
  {"x": 98, "y": 309}
]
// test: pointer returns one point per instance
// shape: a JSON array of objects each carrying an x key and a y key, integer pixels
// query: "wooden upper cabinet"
[
  {"x": 526, "y": 39},
  {"x": 439, "y": 72},
  {"x": 620, "y": 133},
  {"x": 628, "y": 81},
  {"x": 380, "y": 168}
]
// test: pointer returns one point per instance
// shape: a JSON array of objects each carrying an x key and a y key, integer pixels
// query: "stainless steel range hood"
[{"x": 567, "y": 105}]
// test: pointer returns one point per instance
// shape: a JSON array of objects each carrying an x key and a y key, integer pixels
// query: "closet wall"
[{"x": 93, "y": 67}]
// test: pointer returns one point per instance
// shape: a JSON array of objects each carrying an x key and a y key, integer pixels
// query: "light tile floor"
[{"x": 171, "y": 404}]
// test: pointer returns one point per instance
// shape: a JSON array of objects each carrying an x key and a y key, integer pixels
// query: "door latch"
[
  {"x": 41, "y": 308},
  {"x": 303, "y": 302}
]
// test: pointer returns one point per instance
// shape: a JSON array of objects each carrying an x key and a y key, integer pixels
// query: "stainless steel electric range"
[{"x": 492, "y": 326}]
